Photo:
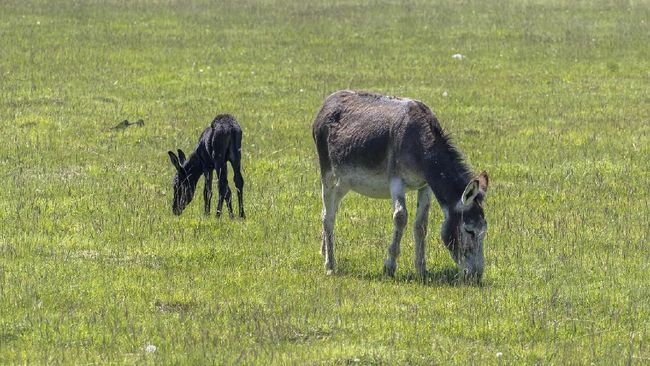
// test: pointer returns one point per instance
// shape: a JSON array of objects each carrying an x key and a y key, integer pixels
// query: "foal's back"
[{"x": 222, "y": 140}]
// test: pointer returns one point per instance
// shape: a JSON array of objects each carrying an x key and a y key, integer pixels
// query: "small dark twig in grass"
[{"x": 124, "y": 124}]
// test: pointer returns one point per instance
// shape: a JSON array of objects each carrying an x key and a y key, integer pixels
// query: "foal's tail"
[{"x": 235, "y": 145}]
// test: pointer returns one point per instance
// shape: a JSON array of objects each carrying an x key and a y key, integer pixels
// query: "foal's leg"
[
  {"x": 229, "y": 202},
  {"x": 207, "y": 190},
  {"x": 224, "y": 190},
  {"x": 400, "y": 217},
  {"x": 331, "y": 199},
  {"x": 239, "y": 184},
  {"x": 420, "y": 230}
]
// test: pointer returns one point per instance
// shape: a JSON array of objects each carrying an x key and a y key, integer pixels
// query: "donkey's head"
[
  {"x": 465, "y": 227},
  {"x": 184, "y": 186}
]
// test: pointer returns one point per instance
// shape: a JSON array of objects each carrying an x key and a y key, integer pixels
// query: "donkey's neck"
[
  {"x": 447, "y": 175},
  {"x": 194, "y": 168}
]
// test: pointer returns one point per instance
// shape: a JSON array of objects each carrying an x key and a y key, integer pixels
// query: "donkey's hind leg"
[
  {"x": 420, "y": 230},
  {"x": 400, "y": 217},
  {"x": 224, "y": 190},
  {"x": 332, "y": 196}
]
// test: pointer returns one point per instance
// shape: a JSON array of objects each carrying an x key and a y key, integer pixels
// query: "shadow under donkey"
[{"x": 447, "y": 276}]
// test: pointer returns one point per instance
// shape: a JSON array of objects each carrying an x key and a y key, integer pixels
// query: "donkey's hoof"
[{"x": 329, "y": 267}]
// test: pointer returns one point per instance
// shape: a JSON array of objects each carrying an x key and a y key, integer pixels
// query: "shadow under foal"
[{"x": 218, "y": 144}]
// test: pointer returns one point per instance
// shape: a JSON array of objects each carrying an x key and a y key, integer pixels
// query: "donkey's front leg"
[
  {"x": 420, "y": 231},
  {"x": 400, "y": 217},
  {"x": 207, "y": 190}
]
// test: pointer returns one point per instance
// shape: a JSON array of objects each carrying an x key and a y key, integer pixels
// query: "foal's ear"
[
  {"x": 174, "y": 160},
  {"x": 471, "y": 192},
  {"x": 483, "y": 181},
  {"x": 181, "y": 156}
]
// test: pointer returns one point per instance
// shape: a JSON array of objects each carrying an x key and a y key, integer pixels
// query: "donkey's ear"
[
  {"x": 483, "y": 181},
  {"x": 174, "y": 160},
  {"x": 181, "y": 156},
  {"x": 471, "y": 192}
]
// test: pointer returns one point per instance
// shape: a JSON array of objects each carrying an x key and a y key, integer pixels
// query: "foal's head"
[
  {"x": 184, "y": 186},
  {"x": 465, "y": 227}
]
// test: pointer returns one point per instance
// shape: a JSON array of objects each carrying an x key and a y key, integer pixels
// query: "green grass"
[{"x": 552, "y": 99}]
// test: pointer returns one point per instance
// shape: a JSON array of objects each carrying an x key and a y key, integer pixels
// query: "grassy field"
[{"x": 552, "y": 98}]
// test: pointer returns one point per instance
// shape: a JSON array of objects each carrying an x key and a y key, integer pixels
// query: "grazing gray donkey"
[
  {"x": 383, "y": 146},
  {"x": 219, "y": 143}
]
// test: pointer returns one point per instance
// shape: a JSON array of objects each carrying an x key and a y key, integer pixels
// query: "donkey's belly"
[
  {"x": 368, "y": 183},
  {"x": 375, "y": 184}
]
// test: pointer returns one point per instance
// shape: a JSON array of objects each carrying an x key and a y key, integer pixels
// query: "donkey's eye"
[{"x": 470, "y": 232}]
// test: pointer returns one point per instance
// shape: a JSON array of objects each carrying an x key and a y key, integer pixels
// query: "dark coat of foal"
[
  {"x": 219, "y": 143},
  {"x": 383, "y": 146}
]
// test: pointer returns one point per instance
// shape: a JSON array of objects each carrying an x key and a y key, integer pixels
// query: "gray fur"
[{"x": 381, "y": 147}]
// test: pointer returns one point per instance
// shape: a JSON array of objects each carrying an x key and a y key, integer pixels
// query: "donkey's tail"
[{"x": 320, "y": 133}]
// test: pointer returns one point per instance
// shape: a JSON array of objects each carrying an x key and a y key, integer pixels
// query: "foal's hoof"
[
  {"x": 423, "y": 276},
  {"x": 329, "y": 272},
  {"x": 389, "y": 269}
]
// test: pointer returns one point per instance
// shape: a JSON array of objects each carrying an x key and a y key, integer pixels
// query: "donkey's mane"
[{"x": 455, "y": 156}]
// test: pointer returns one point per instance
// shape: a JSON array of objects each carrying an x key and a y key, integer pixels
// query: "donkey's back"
[{"x": 364, "y": 138}]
